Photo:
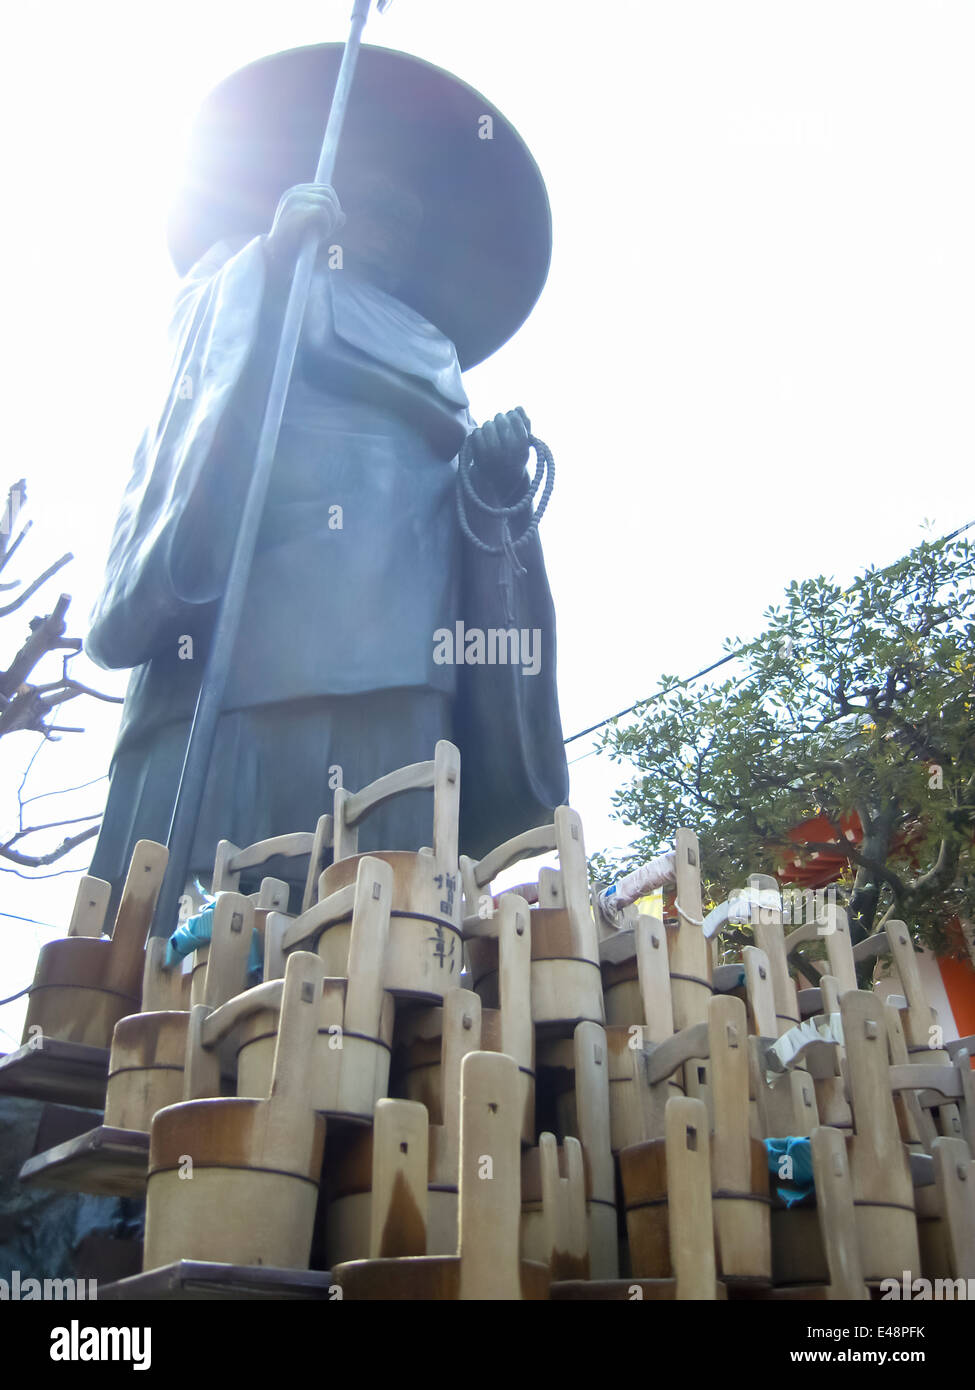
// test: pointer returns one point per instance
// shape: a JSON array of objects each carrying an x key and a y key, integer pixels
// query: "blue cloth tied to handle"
[
  {"x": 800, "y": 1183},
  {"x": 197, "y": 931}
]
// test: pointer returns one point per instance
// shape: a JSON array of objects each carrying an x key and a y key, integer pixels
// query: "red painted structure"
[{"x": 817, "y": 868}]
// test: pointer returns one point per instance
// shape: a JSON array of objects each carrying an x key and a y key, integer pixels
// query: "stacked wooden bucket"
[{"x": 440, "y": 1092}]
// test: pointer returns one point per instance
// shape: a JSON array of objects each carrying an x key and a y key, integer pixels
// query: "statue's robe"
[{"x": 359, "y": 563}]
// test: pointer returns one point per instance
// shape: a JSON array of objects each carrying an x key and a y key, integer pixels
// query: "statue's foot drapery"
[{"x": 274, "y": 771}]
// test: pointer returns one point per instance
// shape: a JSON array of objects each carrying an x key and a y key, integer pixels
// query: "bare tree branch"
[
  {"x": 37, "y": 878},
  {"x": 47, "y": 634},
  {"x": 51, "y": 825},
  {"x": 73, "y": 688},
  {"x": 11, "y": 551},
  {"x": 27, "y": 707},
  {"x": 33, "y": 588},
  {"x": 37, "y": 861},
  {"x": 61, "y": 791}
]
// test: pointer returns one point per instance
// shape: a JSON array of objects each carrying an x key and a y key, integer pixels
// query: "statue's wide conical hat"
[{"x": 484, "y": 249}]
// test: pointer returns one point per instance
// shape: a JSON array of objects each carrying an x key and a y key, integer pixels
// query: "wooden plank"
[
  {"x": 690, "y": 1213},
  {"x": 105, "y": 1161},
  {"x": 741, "y": 1225},
  {"x": 461, "y": 1035},
  {"x": 839, "y": 950},
  {"x": 514, "y": 981},
  {"x": 664, "y": 1058},
  {"x": 920, "y": 1019},
  {"x": 363, "y": 1066},
  {"x": 321, "y": 844},
  {"x": 809, "y": 931},
  {"x": 201, "y": 1075},
  {"x": 309, "y": 926},
  {"x": 230, "y": 944},
  {"x": 830, "y": 992},
  {"x": 550, "y": 891},
  {"x": 275, "y": 926},
  {"x": 871, "y": 947},
  {"x": 805, "y": 1111},
  {"x": 280, "y": 846},
  {"x": 690, "y": 956},
  {"x": 90, "y": 907},
  {"x": 966, "y": 1078},
  {"x": 575, "y": 882},
  {"x": 61, "y": 1072},
  {"x": 653, "y": 967},
  {"x": 442, "y": 774},
  {"x": 345, "y": 836},
  {"x": 198, "y": 1279},
  {"x": 367, "y": 948},
  {"x": 126, "y": 960},
  {"x": 446, "y": 806},
  {"x": 919, "y": 1014},
  {"x": 944, "y": 1080},
  {"x": 770, "y": 937},
  {"x": 223, "y": 880},
  {"x": 331, "y": 1073},
  {"x": 564, "y": 1208},
  {"x": 761, "y": 997},
  {"x": 592, "y": 1118},
  {"x": 222, "y": 1021},
  {"x": 162, "y": 989},
  {"x": 837, "y": 1218},
  {"x": 398, "y": 1207},
  {"x": 525, "y": 846},
  {"x": 490, "y": 1178},
  {"x": 291, "y": 1073},
  {"x": 414, "y": 777},
  {"x": 954, "y": 1174},
  {"x": 272, "y": 896},
  {"x": 882, "y": 1189}
]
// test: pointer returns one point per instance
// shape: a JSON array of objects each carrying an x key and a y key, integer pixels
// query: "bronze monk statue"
[{"x": 434, "y": 245}]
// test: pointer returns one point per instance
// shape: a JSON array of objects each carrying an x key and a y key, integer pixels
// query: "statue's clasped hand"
[
  {"x": 304, "y": 207},
  {"x": 501, "y": 447},
  {"x": 499, "y": 451}
]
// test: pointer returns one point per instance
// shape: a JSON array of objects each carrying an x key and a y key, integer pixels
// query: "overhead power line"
[
  {"x": 33, "y": 920},
  {"x": 732, "y": 656}
]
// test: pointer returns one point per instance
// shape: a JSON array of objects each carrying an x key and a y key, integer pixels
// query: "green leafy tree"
[{"x": 852, "y": 700}]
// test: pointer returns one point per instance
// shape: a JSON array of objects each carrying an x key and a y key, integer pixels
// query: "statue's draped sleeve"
[
  {"x": 166, "y": 557},
  {"x": 506, "y": 721}
]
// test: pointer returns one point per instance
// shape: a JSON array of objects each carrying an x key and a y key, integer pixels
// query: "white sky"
[{"x": 752, "y": 360}]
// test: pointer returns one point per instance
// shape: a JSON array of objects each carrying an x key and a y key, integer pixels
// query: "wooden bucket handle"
[
  {"x": 90, "y": 907},
  {"x": 442, "y": 774}
]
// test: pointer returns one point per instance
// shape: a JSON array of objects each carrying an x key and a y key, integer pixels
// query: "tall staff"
[{"x": 199, "y": 747}]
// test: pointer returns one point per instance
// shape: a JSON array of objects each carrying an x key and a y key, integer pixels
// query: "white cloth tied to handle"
[
  {"x": 788, "y": 1050},
  {"x": 663, "y": 870},
  {"x": 626, "y": 890},
  {"x": 738, "y": 908}
]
